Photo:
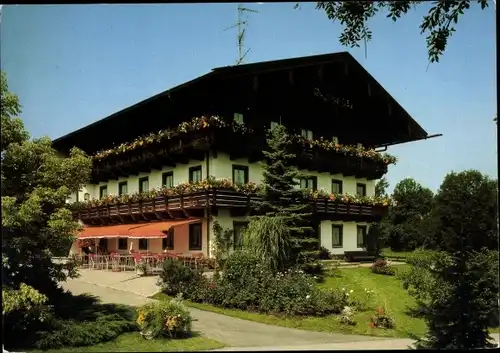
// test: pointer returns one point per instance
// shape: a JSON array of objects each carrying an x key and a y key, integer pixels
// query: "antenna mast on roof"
[{"x": 241, "y": 24}]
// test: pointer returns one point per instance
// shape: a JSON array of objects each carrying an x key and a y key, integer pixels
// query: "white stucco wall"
[
  {"x": 221, "y": 167},
  {"x": 349, "y": 236}
]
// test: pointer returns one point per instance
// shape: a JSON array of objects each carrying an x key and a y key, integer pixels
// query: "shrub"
[
  {"x": 82, "y": 321},
  {"x": 324, "y": 254},
  {"x": 164, "y": 319},
  {"x": 222, "y": 245},
  {"x": 177, "y": 278},
  {"x": 269, "y": 239},
  {"x": 383, "y": 267},
  {"x": 347, "y": 316},
  {"x": 382, "y": 320}
]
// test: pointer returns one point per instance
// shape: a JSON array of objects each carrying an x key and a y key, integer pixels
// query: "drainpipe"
[{"x": 207, "y": 165}]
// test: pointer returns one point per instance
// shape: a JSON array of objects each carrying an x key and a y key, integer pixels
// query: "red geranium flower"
[{"x": 372, "y": 325}]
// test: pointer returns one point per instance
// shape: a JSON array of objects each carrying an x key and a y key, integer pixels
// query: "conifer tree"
[{"x": 281, "y": 196}]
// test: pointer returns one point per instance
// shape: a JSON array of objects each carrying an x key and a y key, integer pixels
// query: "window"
[
  {"x": 307, "y": 134},
  {"x": 360, "y": 189},
  {"x": 240, "y": 174},
  {"x": 337, "y": 235},
  {"x": 103, "y": 244},
  {"x": 238, "y": 118},
  {"x": 195, "y": 174},
  {"x": 103, "y": 191},
  {"x": 168, "y": 242},
  {"x": 167, "y": 179},
  {"x": 361, "y": 238},
  {"x": 78, "y": 195},
  {"x": 274, "y": 124},
  {"x": 335, "y": 140},
  {"x": 309, "y": 183},
  {"x": 122, "y": 188},
  {"x": 195, "y": 236},
  {"x": 238, "y": 228},
  {"x": 336, "y": 186},
  {"x": 122, "y": 243},
  {"x": 143, "y": 184},
  {"x": 86, "y": 196},
  {"x": 143, "y": 244}
]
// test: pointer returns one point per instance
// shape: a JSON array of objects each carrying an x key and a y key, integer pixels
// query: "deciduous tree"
[
  {"x": 35, "y": 184},
  {"x": 438, "y": 24},
  {"x": 457, "y": 285},
  {"x": 412, "y": 204}
]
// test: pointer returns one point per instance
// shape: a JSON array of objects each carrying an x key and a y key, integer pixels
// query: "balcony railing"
[{"x": 179, "y": 206}]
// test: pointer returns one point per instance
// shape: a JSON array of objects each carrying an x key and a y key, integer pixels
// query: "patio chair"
[
  {"x": 137, "y": 260},
  {"x": 92, "y": 261},
  {"x": 115, "y": 262}
]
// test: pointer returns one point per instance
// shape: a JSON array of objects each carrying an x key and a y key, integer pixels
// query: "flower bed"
[
  {"x": 223, "y": 184},
  {"x": 204, "y": 122}
]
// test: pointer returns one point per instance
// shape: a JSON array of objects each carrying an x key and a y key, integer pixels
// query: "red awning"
[
  {"x": 134, "y": 230},
  {"x": 158, "y": 229},
  {"x": 115, "y": 231}
]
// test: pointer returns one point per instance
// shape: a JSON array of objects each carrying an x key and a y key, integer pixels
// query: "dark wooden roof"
[{"x": 131, "y": 121}]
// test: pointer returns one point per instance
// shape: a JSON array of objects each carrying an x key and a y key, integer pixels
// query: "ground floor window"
[
  {"x": 195, "y": 236},
  {"x": 337, "y": 235},
  {"x": 122, "y": 243},
  {"x": 361, "y": 236},
  {"x": 238, "y": 228},
  {"x": 143, "y": 244},
  {"x": 168, "y": 242}
]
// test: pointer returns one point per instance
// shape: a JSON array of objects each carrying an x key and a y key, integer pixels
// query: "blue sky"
[{"x": 71, "y": 65}]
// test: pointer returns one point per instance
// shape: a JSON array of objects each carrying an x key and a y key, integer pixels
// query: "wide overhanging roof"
[{"x": 127, "y": 116}]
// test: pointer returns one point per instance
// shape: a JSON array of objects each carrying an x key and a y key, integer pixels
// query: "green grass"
[
  {"x": 390, "y": 253},
  {"x": 389, "y": 293},
  {"x": 387, "y": 289},
  {"x": 134, "y": 342}
]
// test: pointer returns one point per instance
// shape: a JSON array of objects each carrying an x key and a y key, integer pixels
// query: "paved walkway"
[
  {"x": 240, "y": 335},
  {"x": 126, "y": 288}
]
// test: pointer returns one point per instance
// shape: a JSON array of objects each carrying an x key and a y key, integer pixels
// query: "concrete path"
[
  {"x": 229, "y": 330},
  {"x": 241, "y": 335}
]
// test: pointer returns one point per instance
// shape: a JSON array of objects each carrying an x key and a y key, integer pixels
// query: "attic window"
[
  {"x": 238, "y": 118},
  {"x": 335, "y": 140},
  {"x": 389, "y": 109},
  {"x": 369, "y": 90}
]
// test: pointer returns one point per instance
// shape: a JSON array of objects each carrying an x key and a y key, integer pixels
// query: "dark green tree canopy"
[{"x": 36, "y": 221}]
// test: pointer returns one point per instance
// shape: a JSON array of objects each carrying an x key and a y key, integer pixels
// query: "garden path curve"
[{"x": 127, "y": 288}]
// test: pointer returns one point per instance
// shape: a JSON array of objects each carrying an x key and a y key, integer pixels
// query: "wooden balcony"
[{"x": 194, "y": 205}]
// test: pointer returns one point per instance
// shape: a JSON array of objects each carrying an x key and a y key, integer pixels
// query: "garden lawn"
[
  {"x": 389, "y": 292},
  {"x": 387, "y": 252},
  {"x": 134, "y": 342}
]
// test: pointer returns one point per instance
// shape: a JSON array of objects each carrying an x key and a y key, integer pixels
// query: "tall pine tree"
[{"x": 281, "y": 196}]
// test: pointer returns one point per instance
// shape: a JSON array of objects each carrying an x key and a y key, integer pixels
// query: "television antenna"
[{"x": 241, "y": 26}]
